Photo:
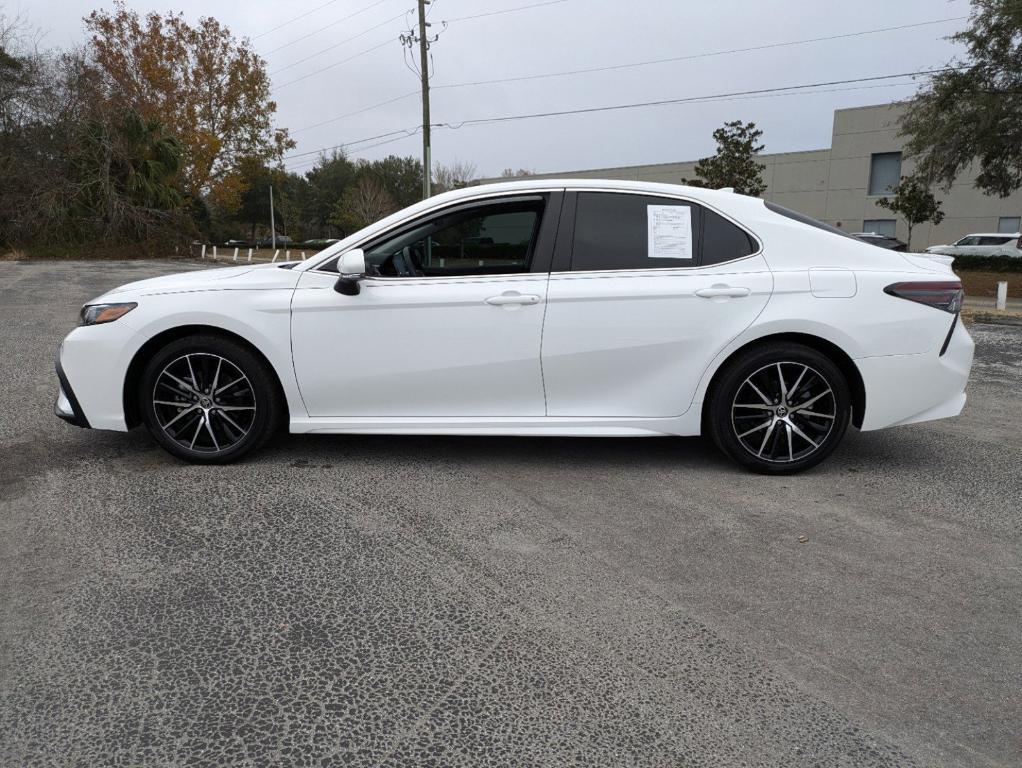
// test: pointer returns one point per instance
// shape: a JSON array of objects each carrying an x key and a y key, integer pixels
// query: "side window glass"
[
  {"x": 484, "y": 240},
  {"x": 613, "y": 231},
  {"x": 723, "y": 241},
  {"x": 967, "y": 241}
]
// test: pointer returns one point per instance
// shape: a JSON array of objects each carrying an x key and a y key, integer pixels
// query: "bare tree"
[
  {"x": 361, "y": 204},
  {"x": 454, "y": 176},
  {"x": 511, "y": 173}
]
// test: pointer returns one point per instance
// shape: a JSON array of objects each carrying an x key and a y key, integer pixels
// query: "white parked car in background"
[
  {"x": 983, "y": 244},
  {"x": 578, "y": 307}
]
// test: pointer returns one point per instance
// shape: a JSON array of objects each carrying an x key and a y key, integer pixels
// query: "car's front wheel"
[
  {"x": 208, "y": 399},
  {"x": 779, "y": 409}
]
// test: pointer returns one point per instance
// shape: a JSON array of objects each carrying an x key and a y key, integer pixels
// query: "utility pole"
[
  {"x": 273, "y": 226},
  {"x": 409, "y": 40},
  {"x": 424, "y": 66}
]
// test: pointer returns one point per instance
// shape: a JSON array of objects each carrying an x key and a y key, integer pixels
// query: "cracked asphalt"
[{"x": 475, "y": 601}]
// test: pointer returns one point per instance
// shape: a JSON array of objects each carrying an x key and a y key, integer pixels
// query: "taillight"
[
  {"x": 946, "y": 296},
  {"x": 1018, "y": 243}
]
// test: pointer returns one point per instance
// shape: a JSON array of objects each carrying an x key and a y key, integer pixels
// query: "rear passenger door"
[{"x": 635, "y": 313}]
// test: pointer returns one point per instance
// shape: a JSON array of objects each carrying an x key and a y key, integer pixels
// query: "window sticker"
[{"x": 669, "y": 231}]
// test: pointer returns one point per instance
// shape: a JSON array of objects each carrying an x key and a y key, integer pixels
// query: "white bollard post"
[
  {"x": 287, "y": 255},
  {"x": 235, "y": 254},
  {"x": 203, "y": 250},
  {"x": 214, "y": 253},
  {"x": 303, "y": 255},
  {"x": 1002, "y": 295},
  {"x": 249, "y": 255},
  {"x": 276, "y": 253}
]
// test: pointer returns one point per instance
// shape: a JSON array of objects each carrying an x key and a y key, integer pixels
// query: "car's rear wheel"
[
  {"x": 780, "y": 408},
  {"x": 208, "y": 400}
]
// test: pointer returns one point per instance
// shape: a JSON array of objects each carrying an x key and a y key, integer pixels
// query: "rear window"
[
  {"x": 723, "y": 241},
  {"x": 611, "y": 232},
  {"x": 801, "y": 218},
  {"x": 995, "y": 240}
]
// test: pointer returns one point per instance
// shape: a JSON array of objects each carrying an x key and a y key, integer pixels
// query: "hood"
[{"x": 204, "y": 280}]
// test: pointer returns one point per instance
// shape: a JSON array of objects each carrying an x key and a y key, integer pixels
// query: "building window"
[
  {"x": 1009, "y": 224},
  {"x": 883, "y": 227},
  {"x": 884, "y": 172}
]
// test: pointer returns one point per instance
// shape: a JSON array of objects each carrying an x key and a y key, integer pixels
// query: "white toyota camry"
[{"x": 537, "y": 308}]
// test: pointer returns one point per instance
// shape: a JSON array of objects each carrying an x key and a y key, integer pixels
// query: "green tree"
[
  {"x": 328, "y": 180},
  {"x": 971, "y": 111},
  {"x": 734, "y": 164},
  {"x": 915, "y": 203}
]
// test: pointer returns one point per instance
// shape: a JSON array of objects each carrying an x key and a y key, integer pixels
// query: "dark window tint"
[
  {"x": 803, "y": 219},
  {"x": 723, "y": 241},
  {"x": 995, "y": 240},
  {"x": 611, "y": 232}
]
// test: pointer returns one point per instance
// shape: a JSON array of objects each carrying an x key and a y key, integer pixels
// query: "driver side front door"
[{"x": 450, "y": 328}]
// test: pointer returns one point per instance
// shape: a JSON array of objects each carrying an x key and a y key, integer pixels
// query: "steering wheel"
[{"x": 407, "y": 265}]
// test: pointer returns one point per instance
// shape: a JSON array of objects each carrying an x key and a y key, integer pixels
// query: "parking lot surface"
[{"x": 468, "y": 601}]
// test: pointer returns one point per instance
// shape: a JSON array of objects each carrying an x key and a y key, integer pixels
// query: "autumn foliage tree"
[{"x": 205, "y": 86}]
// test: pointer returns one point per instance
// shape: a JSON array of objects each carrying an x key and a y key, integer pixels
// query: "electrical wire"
[
  {"x": 357, "y": 111},
  {"x": 331, "y": 66},
  {"x": 338, "y": 44},
  {"x": 708, "y": 54},
  {"x": 687, "y": 99},
  {"x": 506, "y": 10},
  {"x": 316, "y": 31},
  {"x": 294, "y": 19},
  {"x": 781, "y": 90},
  {"x": 641, "y": 64}
]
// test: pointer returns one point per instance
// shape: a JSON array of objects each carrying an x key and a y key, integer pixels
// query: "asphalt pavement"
[{"x": 357, "y": 600}]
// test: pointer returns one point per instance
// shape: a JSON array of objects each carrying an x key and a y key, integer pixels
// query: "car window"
[
  {"x": 723, "y": 241},
  {"x": 995, "y": 240},
  {"x": 612, "y": 232},
  {"x": 970, "y": 240},
  {"x": 486, "y": 239}
]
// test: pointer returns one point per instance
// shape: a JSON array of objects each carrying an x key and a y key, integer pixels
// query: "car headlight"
[{"x": 94, "y": 314}]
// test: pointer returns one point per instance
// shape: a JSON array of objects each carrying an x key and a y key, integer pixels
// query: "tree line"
[{"x": 156, "y": 132}]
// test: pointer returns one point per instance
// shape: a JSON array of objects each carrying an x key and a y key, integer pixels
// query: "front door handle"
[
  {"x": 513, "y": 298},
  {"x": 722, "y": 291}
]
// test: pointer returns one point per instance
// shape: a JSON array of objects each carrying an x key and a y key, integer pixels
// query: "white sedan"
[{"x": 586, "y": 308}]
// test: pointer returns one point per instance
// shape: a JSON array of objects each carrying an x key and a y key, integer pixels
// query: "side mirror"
[{"x": 352, "y": 268}]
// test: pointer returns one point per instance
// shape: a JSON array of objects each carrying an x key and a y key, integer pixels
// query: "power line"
[
  {"x": 357, "y": 111},
  {"x": 404, "y": 131},
  {"x": 696, "y": 55},
  {"x": 506, "y": 10},
  {"x": 637, "y": 64},
  {"x": 294, "y": 18},
  {"x": 334, "y": 23},
  {"x": 802, "y": 88},
  {"x": 331, "y": 66},
  {"x": 664, "y": 102},
  {"x": 338, "y": 44}
]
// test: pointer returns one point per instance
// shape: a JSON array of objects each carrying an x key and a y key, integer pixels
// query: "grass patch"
[{"x": 984, "y": 284}]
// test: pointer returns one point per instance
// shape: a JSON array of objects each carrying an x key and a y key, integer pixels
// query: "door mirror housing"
[{"x": 352, "y": 267}]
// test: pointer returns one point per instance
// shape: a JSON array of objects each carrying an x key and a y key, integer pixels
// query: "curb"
[{"x": 992, "y": 317}]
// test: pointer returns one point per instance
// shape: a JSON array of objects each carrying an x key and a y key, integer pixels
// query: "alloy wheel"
[
  {"x": 784, "y": 412},
  {"x": 204, "y": 402}
]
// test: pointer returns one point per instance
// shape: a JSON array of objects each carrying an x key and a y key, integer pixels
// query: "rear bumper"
[
  {"x": 66, "y": 406},
  {"x": 905, "y": 389}
]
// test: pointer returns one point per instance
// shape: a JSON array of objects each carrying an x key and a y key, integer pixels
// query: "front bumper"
[{"x": 67, "y": 407}]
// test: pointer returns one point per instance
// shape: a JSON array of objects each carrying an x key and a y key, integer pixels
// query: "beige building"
[{"x": 841, "y": 185}]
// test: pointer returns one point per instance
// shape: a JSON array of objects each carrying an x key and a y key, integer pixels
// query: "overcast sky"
[{"x": 554, "y": 37}]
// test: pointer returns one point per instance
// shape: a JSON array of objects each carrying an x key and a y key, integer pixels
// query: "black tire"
[
  {"x": 747, "y": 402},
  {"x": 180, "y": 405}
]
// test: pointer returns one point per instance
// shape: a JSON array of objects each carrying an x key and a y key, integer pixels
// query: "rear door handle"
[
  {"x": 513, "y": 298},
  {"x": 722, "y": 291}
]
